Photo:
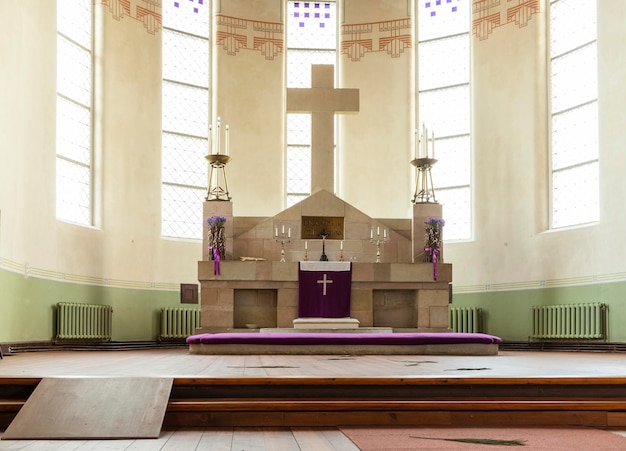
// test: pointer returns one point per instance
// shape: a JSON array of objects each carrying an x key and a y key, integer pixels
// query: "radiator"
[
  {"x": 466, "y": 319},
  {"x": 587, "y": 321},
  {"x": 179, "y": 322},
  {"x": 83, "y": 321}
]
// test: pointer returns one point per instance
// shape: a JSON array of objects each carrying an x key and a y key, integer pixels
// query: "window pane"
[
  {"x": 446, "y": 111},
  {"x": 182, "y": 211},
  {"x": 185, "y": 58},
  {"x": 73, "y": 131},
  {"x": 575, "y": 136},
  {"x": 573, "y": 23},
  {"x": 575, "y": 194},
  {"x": 439, "y": 18},
  {"x": 73, "y": 198},
  {"x": 74, "y": 20},
  {"x": 73, "y": 71},
  {"x": 575, "y": 78},
  {"x": 73, "y": 111},
  {"x": 190, "y": 16},
  {"x": 456, "y": 204},
  {"x": 311, "y": 25},
  {"x": 311, "y": 39},
  {"x": 444, "y": 62},
  {"x": 299, "y": 64},
  {"x": 185, "y": 109},
  {"x": 574, "y": 94},
  {"x": 453, "y": 165},
  {"x": 183, "y": 160},
  {"x": 299, "y": 169},
  {"x": 299, "y": 129}
]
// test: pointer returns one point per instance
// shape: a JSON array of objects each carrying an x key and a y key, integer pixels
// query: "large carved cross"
[{"x": 323, "y": 101}]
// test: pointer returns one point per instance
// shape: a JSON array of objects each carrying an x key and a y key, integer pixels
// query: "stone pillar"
[
  {"x": 421, "y": 213},
  {"x": 217, "y": 208}
]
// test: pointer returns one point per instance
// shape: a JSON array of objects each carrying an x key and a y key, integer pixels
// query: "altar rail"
[
  {"x": 569, "y": 321},
  {"x": 76, "y": 321},
  {"x": 179, "y": 322}
]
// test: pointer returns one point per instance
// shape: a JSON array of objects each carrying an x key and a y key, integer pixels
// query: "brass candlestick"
[
  {"x": 218, "y": 171},
  {"x": 424, "y": 188}
]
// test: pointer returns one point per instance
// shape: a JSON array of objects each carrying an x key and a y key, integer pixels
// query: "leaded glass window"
[
  {"x": 311, "y": 39},
  {"x": 444, "y": 105},
  {"x": 574, "y": 104},
  {"x": 73, "y": 111},
  {"x": 185, "y": 105}
]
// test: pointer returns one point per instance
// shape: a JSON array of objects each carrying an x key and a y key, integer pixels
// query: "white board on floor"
[{"x": 93, "y": 408}]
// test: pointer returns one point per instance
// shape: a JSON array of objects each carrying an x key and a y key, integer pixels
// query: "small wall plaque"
[
  {"x": 314, "y": 226},
  {"x": 188, "y": 293}
]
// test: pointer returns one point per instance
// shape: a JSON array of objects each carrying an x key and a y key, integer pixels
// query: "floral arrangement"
[
  {"x": 216, "y": 239},
  {"x": 433, "y": 240}
]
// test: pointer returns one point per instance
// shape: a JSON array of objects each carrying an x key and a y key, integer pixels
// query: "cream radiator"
[
  {"x": 83, "y": 321},
  {"x": 179, "y": 322},
  {"x": 586, "y": 321},
  {"x": 466, "y": 319}
]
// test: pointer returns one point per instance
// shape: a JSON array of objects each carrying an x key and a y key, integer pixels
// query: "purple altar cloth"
[
  {"x": 308, "y": 338},
  {"x": 324, "y": 289}
]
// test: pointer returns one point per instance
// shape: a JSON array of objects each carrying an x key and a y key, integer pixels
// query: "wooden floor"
[{"x": 179, "y": 363}]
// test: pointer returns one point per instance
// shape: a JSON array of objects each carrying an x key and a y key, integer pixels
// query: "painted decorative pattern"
[
  {"x": 147, "y": 12},
  {"x": 491, "y": 14},
  {"x": 392, "y": 37},
  {"x": 235, "y": 34}
]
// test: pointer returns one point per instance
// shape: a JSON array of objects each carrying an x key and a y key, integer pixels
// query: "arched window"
[
  {"x": 574, "y": 108},
  {"x": 311, "y": 39},
  {"x": 444, "y": 105},
  {"x": 74, "y": 178},
  {"x": 185, "y": 116}
]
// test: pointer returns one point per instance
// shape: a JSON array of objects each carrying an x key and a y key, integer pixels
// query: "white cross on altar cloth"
[{"x": 324, "y": 281}]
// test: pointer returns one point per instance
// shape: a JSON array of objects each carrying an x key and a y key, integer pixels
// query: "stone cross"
[
  {"x": 323, "y": 101},
  {"x": 324, "y": 282}
]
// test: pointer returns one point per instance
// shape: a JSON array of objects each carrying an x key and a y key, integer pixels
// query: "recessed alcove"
[
  {"x": 255, "y": 306},
  {"x": 394, "y": 308}
]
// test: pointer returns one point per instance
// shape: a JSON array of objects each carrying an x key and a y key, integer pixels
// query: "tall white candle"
[
  {"x": 341, "y": 245},
  {"x": 424, "y": 141},
  {"x": 377, "y": 231},
  {"x": 276, "y": 232},
  {"x": 283, "y": 231},
  {"x": 384, "y": 233},
  {"x": 217, "y": 139},
  {"x": 416, "y": 143},
  {"x": 289, "y": 233},
  {"x": 210, "y": 140},
  {"x": 227, "y": 140},
  {"x": 433, "y": 144},
  {"x": 371, "y": 234},
  {"x": 306, "y": 245}
]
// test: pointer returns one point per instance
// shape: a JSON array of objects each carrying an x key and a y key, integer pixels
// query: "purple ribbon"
[
  {"x": 216, "y": 261},
  {"x": 434, "y": 251}
]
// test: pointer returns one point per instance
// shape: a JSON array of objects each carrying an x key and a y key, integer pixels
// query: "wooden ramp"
[{"x": 93, "y": 408}]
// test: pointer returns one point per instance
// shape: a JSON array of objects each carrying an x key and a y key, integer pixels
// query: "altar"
[{"x": 264, "y": 294}]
